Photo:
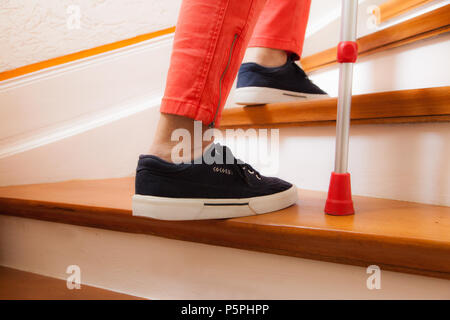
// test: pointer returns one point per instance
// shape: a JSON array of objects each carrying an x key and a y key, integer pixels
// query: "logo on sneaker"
[{"x": 222, "y": 170}]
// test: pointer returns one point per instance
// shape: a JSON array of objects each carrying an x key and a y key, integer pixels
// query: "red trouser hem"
[
  {"x": 186, "y": 109},
  {"x": 280, "y": 44}
]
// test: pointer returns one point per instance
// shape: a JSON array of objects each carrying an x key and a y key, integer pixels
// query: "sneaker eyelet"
[
  {"x": 258, "y": 177},
  {"x": 251, "y": 172}
]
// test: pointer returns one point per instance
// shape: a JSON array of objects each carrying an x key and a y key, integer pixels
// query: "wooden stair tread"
[
  {"x": 396, "y": 235},
  {"x": 394, "y": 8},
  {"x": 21, "y": 285},
  {"x": 415, "y": 105}
]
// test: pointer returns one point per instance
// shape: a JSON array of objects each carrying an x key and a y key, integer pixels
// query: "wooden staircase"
[
  {"x": 396, "y": 235},
  {"x": 399, "y": 236},
  {"x": 402, "y": 106}
]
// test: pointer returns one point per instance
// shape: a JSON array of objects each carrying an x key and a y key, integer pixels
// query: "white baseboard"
[
  {"x": 106, "y": 150},
  {"x": 86, "y": 119},
  {"x": 65, "y": 129},
  {"x": 54, "y": 103}
]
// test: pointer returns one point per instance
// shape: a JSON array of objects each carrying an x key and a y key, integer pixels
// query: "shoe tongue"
[
  {"x": 219, "y": 154},
  {"x": 300, "y": 70},
  {"x": 222, "y": 152},
  {"x": 292, "y": 57},
  {"x": 208, "y": 149}
]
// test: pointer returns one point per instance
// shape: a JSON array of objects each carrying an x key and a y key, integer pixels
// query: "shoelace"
[
  {"x": 243, "y": 169},
  {"x": 246, "y": 168}
]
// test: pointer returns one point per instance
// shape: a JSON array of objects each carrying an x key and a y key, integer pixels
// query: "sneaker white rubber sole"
[
  {"x": 264, "y": 95},
  {"x": 163, "y": 208}
]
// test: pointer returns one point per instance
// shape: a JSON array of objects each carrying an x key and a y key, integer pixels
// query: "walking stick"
[{"x": 339, "y": 201}]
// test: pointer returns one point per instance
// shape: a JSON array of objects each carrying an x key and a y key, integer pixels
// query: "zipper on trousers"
[{"x": 211, "y": 125}]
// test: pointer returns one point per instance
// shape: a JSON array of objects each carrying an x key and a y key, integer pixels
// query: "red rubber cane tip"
[
  {"x": 339, "y": 202},
  {"x": 347, "y": 51}
]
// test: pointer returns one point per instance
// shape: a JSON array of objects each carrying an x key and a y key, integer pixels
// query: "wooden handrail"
[
  {"x": 424, "y": 26},
  {"x": 416, "y": 105}
]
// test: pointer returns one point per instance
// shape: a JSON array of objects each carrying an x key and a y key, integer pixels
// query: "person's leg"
[
  {"x": 210, "y": 41},
  {"x": 280, "y": 28},
  {"x": 277, "y": 42}
]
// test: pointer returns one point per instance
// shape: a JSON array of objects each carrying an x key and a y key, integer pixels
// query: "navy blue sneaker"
[
  {"x": 225, "y": 188},
  {"x": 260, "y": 85}
]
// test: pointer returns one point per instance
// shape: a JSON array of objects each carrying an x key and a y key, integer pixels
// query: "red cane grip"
[
  {"x": 347, "y": 51},
  {"x": 339, "y": 202}
]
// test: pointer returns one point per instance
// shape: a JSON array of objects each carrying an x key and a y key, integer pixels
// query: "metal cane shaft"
[{"x": 348, "y": 33}]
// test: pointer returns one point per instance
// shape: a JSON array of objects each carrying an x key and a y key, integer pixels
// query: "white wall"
[
  {"x": 36, "y": 30},
  {"x": 33, "y": 30}
]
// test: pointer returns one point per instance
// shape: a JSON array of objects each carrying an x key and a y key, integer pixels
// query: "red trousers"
[{"x": 210, "y": 41}]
